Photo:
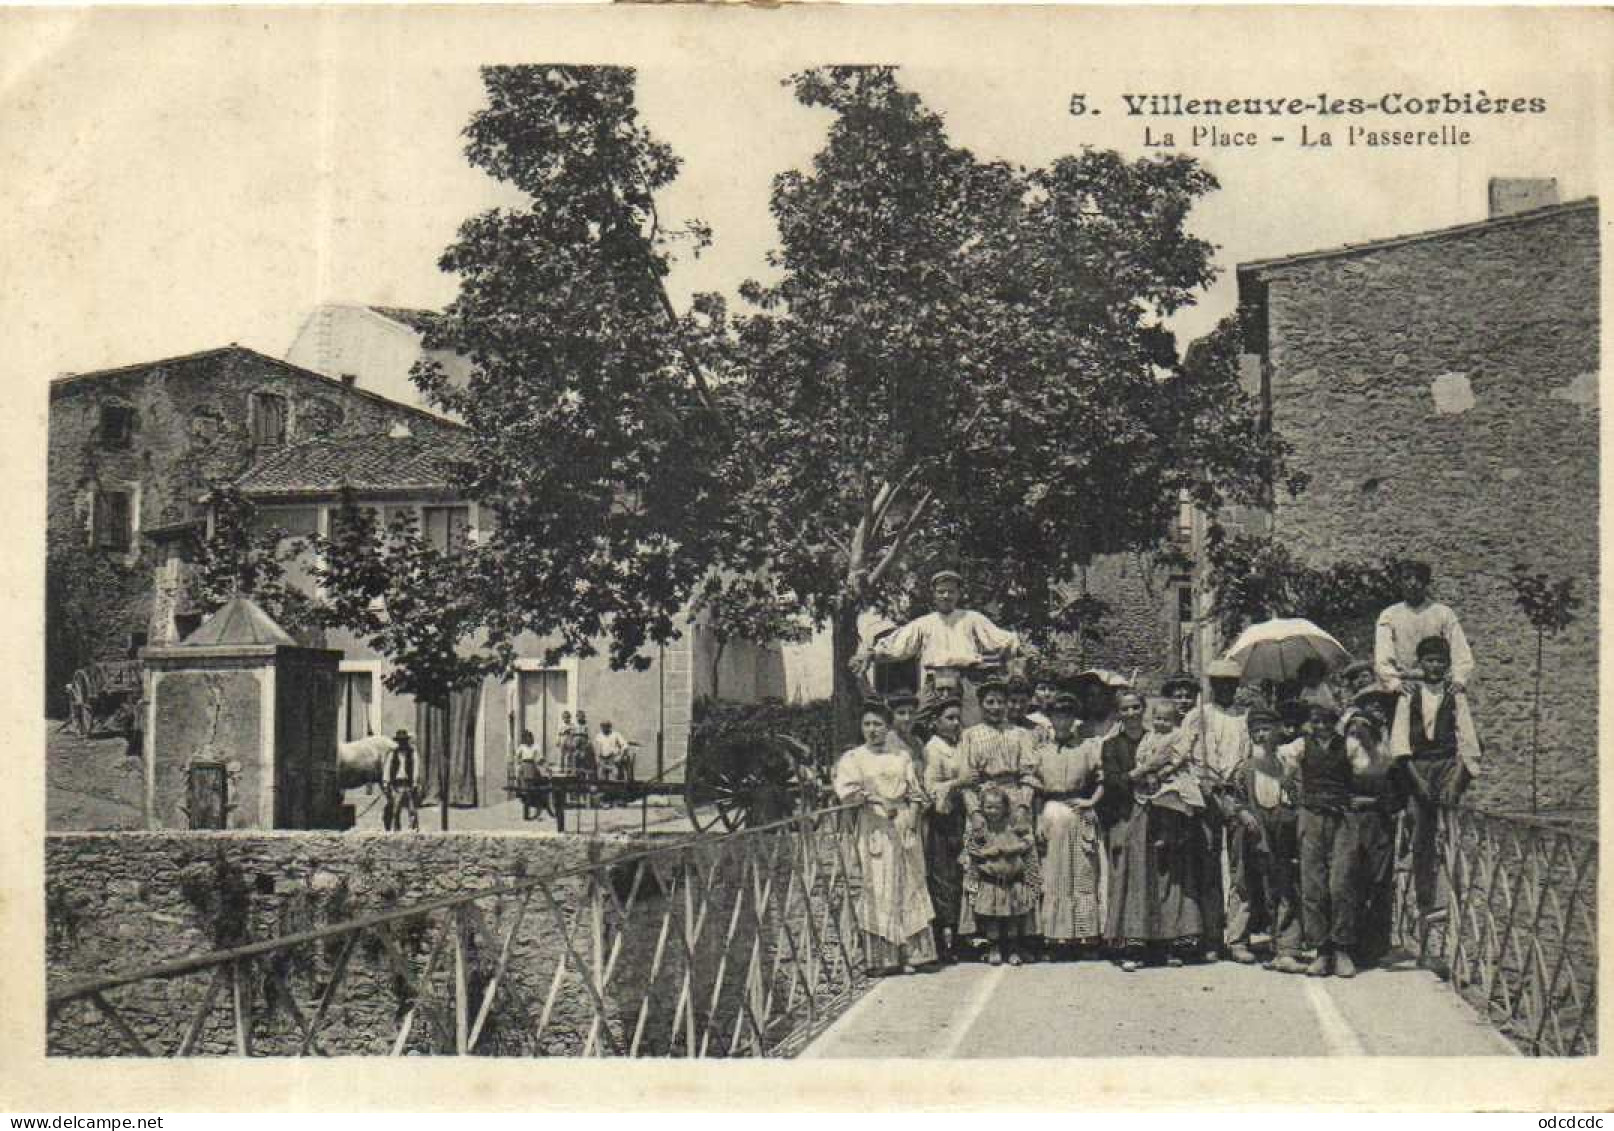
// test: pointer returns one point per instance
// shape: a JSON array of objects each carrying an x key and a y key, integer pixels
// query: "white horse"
[{"x": 361, "y": 761}]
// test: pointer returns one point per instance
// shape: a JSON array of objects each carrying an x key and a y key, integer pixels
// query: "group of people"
[
  {"x": 1082, "y": 818},
  {"x": 606, "y": 756}
]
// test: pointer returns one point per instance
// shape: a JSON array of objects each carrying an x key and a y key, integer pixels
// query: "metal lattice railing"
[
  {"x": 1518, "y": 933},
  {"x": 741, "y": 945}
]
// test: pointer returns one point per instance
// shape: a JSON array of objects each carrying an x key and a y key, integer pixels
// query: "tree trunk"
[
  {"x": 717, "y": 663},
  {"x": 847, "y": 689}
]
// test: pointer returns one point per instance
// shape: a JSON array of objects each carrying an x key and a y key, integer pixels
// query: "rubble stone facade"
[
  {"x": 131, "y": 450},
  {"x": 1441, "y": 390}
]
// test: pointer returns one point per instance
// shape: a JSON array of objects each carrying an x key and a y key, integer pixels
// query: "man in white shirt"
[
  {"x": 1225, "y": 741},
  {"x": 1405, "y": 624},
  {"x": 952, "y": 645},
  {"x": 612, "y": 754}
]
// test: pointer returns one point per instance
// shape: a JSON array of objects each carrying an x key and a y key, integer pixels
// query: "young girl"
[{"x": 1001, "y": 883}]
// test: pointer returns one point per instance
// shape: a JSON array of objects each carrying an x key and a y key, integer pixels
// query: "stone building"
[
  {"x": 1441, "y": 390},
  {"x": 132, "y": 450},
  {"x": 298, "y": 490},
  {"x": 376, "y": 346}
]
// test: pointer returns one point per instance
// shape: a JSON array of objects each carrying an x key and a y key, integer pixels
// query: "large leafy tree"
[
  {"x": 959, "y": 360},
  {"x": 590, "y": 437},
  {"x": 965, "y": 361}
]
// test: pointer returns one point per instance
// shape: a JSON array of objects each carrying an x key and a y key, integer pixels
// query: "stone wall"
[
  {"x": 1442, "y": 394},
  {"x": 1137, "y": 630},
  {"x": 119, "y": 901}
]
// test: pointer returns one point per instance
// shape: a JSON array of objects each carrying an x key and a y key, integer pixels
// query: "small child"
[
  {"x": 530, "y": 766},
  {"x": 1329, "y": 900},
  {"x": 1001, "y": 880},
  {"x": 1165, "y": 776}
]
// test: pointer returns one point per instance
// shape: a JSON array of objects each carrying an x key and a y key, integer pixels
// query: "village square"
[{"x": 973, "y": 624}]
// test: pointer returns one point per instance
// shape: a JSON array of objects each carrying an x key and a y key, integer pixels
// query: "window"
[
  {"x": 266, "y": 416},
  {"x": 358, "y": 692},
  {"x": 1184, "y": 529},
  {"x": 1185, "y": 624},
  {"x": 117, "y": 426},
  {"x": 204, "y": 423},
  {"x": 296, "y": 522},
  {"x": 114, "y": 520},
  {"x": 890, "y": 678},
  {"x": 447, "y": 528}
]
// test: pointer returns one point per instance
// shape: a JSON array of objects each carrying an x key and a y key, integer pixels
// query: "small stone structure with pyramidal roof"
[{"x": 241, "y": 727}]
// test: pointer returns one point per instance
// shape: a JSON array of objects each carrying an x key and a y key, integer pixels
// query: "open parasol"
[{"x": 1275, "y": 649}]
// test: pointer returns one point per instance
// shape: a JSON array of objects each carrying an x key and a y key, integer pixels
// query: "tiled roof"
[
  {"x": 361, "y": 463},
  {"x": 415, "y": 319}
]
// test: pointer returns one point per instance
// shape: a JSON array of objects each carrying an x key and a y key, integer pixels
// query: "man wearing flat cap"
[
  {"x": 952, "y": 645},
  {"x": 1435, "y": 740}
]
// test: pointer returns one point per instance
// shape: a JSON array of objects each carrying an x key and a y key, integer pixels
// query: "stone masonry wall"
[
  {"x": 191, "y": 429},
  {"x": 192, "y": 426},
  {"x": 1137, "y": 630},
  {"x": 1442, "y": 393},
  {"x": 122, "y": 901}
]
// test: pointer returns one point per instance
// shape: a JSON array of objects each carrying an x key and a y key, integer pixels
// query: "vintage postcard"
[{"x": 1058, "y": 542}]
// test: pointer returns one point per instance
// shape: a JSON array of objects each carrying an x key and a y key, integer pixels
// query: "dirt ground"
[{"x": 91, "y": 783}]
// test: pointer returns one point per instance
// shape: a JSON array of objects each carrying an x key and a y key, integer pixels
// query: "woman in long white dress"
[
  {"x": 893, "y": 906},
  {"x": 1071, "y": 913}
]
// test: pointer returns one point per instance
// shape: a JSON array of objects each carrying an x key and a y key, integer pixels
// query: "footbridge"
[{"x": 747, "y": 945}]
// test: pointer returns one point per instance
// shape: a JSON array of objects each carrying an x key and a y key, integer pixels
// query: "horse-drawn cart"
[
  {"x": 722, "y": 790},
  {"x": 105, "y": 697}
]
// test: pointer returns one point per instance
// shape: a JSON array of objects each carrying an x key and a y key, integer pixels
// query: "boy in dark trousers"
[
  {"x": 1327, "y": 892},
  {"x": 1438, "y": 747},
  {"x": 1264, "y": 850}
]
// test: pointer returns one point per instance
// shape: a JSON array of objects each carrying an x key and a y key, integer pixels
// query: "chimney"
[
  {"x": 1521, "y": 194},
  {"x": 350, "y": 379}
]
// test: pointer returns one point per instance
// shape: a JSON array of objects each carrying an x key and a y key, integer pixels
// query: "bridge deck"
[{"x": 1094, "y": 1009}]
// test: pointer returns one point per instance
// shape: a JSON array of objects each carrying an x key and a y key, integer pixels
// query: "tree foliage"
[
  {"x": 964, "y": 359},
  {"x": 588, "y": 438},
  {"x": 960, "y": 361},
  {"x": 411, "y": 602},
  {"x": 1253, "y": 578},
  {"x": 1550, "y": 605}
]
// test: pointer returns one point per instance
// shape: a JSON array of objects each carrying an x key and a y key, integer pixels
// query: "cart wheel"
[
  {"x": 83, "y": 700},
  {"x": 740, "y": 787}
]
